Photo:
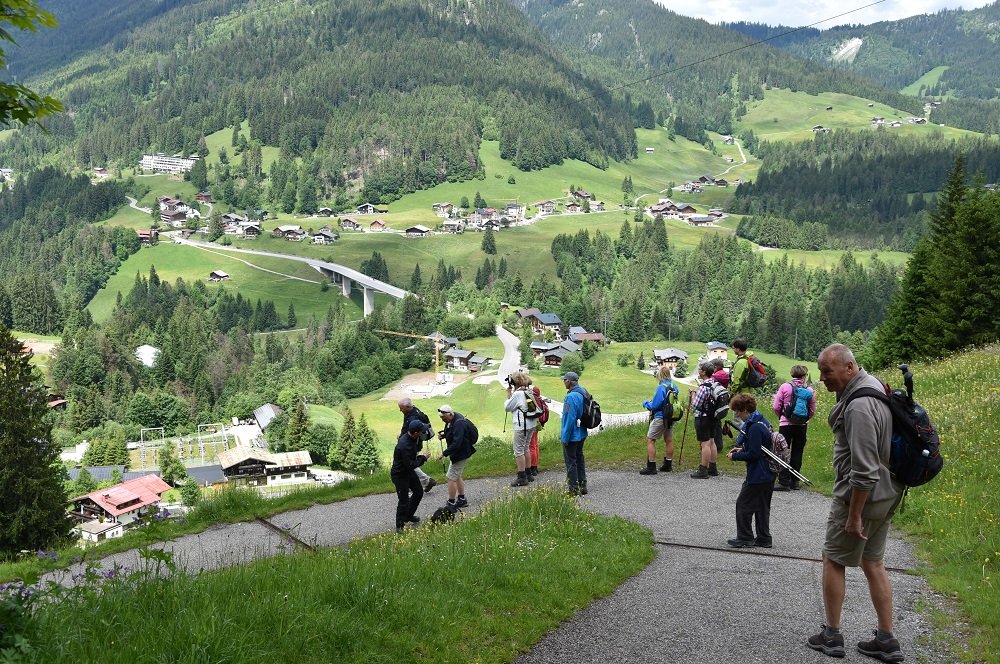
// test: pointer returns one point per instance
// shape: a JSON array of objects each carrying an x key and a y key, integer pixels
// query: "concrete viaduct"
[{"x": 339, "y": 274}]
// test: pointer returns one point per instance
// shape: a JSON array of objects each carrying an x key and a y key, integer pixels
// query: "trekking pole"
[
  {"x": 680, "y": 457},
  {"x": 781, "y": 462}
]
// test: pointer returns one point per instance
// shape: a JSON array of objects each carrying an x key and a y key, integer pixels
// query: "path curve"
[{"x": 699, "y": 601}]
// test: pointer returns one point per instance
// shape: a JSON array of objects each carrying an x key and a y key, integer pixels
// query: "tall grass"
[{"x": 482, "y": 589}]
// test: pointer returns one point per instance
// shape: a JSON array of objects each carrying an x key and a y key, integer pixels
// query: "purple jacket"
[{"x": 784, "y": 396}]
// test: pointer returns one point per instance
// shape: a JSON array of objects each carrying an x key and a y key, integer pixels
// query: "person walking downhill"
[
  {"x": 573, "y": 435},
  {"x": 865, "y": 497},
  {"x": 524, "y": 422},
  {"x": 794, "y": 404},
  {"x": 458, "y": 451},
  {"x": 658, "y": 427},
  {"x": 705, "y": 424},
  {"x": 410, "y": 413},
  {"x": 754, "y": 501},
  {"x": 405, "y": 461}
]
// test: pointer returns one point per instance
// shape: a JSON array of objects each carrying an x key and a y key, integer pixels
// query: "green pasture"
[
  {"x": 224, "y": 139},
  {"x": 784, "y": 115},
  {"x": 830, "y": 258},
  {"x": 191, "y": 264},
  {"x": 929, "y": 79},
  {"x": 164, "y": 184},
  {"x": 488, "y": 346},
  {"x": 129, "y": 217}
]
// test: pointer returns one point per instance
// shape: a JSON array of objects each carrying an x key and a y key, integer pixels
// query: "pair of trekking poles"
[{"x": 781, "y": 462}]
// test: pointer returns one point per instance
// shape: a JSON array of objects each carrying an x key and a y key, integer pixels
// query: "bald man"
[{"x": 865, "y": 498}]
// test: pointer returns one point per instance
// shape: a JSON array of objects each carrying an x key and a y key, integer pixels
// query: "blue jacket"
[
  {"x": 454, "y": 434},
  {"x": 755, "y": 433},
  {"x": 656, "y": 405},
  {"x": 571, "y": 431}
]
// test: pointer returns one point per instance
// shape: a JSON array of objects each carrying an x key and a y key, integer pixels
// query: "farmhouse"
[
  {"x": 290, "y": 232},
  {"x": 453, "y": 226},
  {"x": 417, "y": 231},
  {"x": 458, "y": 359},
  {"x": 324, "y": 212},
  {"x": 572, "y": 207},
  {"x": 716, "y": 212},
  {"x": 443, "y": 209},
  {"x": 376, "y": 226},
  {"x": 717, "y": 349},
  {"x": 368, "y": 208},
  {"x": 443, "y": 341},
  {"x": 147, "y": 237},
  {"x": 477, "y": 362},
  {"x": 123, "y": 504},
  {"x": 526, "y": 312},
  {"x": 700, "y": 219},
  {"x": 597, "y": 206},
  {"x": 218, "y": 275},
  {"x": 684, "y": 208},
  {"x": 256, "y": 467},
  {"x": 231, "y": 218},
  {"x": 579, "y": 335},
  {"x": 545, "y": 207},
  {"x": 203, "y": 197},
  {"x": 324, "y": 237},
  {"x": 670, "y": 357},
  {"x": 175, "y": 218},
  {"x": 101, "y": 173},
  {"x": 582, "y": 194},
  {"x": 542, "y": 323},
  {"x": 349, "y": 225}
]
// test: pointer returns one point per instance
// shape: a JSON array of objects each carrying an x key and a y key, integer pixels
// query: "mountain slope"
[{"x": 392, "y": 95}]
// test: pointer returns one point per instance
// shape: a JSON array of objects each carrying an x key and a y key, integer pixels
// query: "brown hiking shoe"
[
  {"x": 887, "y": 651},
  {"x": 831, "y": 646}
]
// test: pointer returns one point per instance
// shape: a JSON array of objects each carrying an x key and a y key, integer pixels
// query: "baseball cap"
[
  {"x": 445, "y": 409},
  {"x": 416, "y": 426},
  {"x": 571, "y": 375}
]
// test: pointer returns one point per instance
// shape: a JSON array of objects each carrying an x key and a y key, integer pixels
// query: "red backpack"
[
  {"x": 756, "y": 374},
  {"x": 541, "y": 408}
]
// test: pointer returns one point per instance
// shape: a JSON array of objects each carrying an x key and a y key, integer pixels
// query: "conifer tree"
[
  {"x": 292, "y": 318},
  {"x": 489, "y": 244},
  {"x": 363, "y": 457},
  {"x": 190, "y": 492},
  {"x": 297, "y": 425},
  {"x": 85, "y": 483},
  {"x": 342, "y": 448},
  {"x": 32, "y": 496}
]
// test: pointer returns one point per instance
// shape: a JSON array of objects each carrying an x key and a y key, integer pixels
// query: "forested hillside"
[
  {"x": 383, "y": 97},
  {"x": 895, "y": 54},
  {"x": 638, "y": 39},
  {"x": 866, "y": 188}
]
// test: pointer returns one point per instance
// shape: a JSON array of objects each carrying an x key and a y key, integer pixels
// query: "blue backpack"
[{"x": 797, "y": 409}]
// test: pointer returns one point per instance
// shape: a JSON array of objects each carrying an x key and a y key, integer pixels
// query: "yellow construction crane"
[{"x": 437, "y": 345}]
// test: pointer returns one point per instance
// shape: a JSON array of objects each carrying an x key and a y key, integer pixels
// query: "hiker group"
[{"x": 883, "y": 443}]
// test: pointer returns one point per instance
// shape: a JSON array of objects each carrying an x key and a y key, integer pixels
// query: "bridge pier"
[
  {"x": 345, "y": 286},
  {"x": 369, "y": 301}
]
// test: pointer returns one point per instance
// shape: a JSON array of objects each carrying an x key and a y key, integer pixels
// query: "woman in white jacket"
[{"x": 520, "y": 403}]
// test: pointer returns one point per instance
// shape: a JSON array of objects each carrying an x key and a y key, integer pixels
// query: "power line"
[{"x": 730, "y": 52}]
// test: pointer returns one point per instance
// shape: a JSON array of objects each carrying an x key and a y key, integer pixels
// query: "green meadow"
[
  {"x": 172, "y": 261},
  {"x": 929, "y": 79},
  {"x": 784, "y": 115}
]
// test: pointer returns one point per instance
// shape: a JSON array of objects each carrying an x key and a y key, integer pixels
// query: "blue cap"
[
  {"x": 416, "y": 425},
  {"x": 571, "y": 375}
]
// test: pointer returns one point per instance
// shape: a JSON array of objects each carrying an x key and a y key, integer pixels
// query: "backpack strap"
[{"x": 882, "y": 396}]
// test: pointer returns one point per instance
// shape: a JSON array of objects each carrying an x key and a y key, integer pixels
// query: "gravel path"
[{"x": 699, "y": 601}]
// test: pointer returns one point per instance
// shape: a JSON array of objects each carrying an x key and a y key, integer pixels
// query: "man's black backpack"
[
  {"x": 670, "y": 410},
  {"x": 444, "y": 514},
  {"x": 590, "y": 418},
  {"x": 471, "y": 434},
  {"x": 916, "y": 448}
]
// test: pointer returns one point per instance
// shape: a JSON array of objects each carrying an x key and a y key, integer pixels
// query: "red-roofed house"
[{"x": 123, "y": 503}]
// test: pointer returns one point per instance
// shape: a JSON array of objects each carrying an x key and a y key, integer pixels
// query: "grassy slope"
[
  {"x": 173, "y": 261},
  {"x": 928, "y": 79},
  {"x": 784, "y": 115}
]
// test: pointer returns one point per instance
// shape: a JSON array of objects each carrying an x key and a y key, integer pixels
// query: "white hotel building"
[{"x": 166, "y": 164}]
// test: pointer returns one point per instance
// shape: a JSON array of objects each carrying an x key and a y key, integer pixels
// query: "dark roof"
[
  {"x": 461, "y": 354},
  {"x": 548, "y": 319},
  {"x": 99, "y": 473},
  {"x": 132, "y": 474},
  {"x": 265, "y": 414},
  {"x": 207, "y": 474}
]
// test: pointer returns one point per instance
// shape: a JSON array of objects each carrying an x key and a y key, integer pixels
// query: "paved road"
[{"x": 699, "y": 601}]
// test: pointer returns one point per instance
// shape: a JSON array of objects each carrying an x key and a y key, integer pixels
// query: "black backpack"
[
  {"x": 670, "y": 410},
  {"x": 915, "y": 458},
  {"x": 716, "y": 405},
  {"x": 471, "y": 434},
  {"x": 444, "y": 514},
  {"x": 590, "y": 418}
]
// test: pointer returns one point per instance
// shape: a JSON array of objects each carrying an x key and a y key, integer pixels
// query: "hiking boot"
[
  {"x": 399, "y": 529},
  {"x": 701, "y": 473},
  {"x": 667, "y": 466},
  {"x": 796, "y": 486},
  {"x": 521, "y": 480},
  {"x": 830, "y": 645},
  {"x": 737, "y": 543},
  {"x": 533, "y": 471},
  {"x": 431, "y": 483},
  {"x": 762, "y": 545},
  {"x": 650, "y": 468},
  {"x": 782, "y": 487},
  {"x": 713, "y": 470},
  {"x": 887, "y": 651},
  {"x": 461, "y": 502},
  {"x": 414, "y": 519},
  {"x": 583, "y": 489},
  {"x": 572, "y": 491}
]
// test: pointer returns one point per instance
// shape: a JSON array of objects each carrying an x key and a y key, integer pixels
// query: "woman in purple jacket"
[{"x": 793, "y": 425}]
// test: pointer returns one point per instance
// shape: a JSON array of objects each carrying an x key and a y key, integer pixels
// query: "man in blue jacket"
[
  {"x": 573, "y": 435},
  {"x": 754, "y": 501},
  {"x": 459, "y": 450}
]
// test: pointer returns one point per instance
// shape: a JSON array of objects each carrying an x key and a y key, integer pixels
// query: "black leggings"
[{"x": 795, "y": 434}]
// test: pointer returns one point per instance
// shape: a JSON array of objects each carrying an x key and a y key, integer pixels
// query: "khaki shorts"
[
  {"x": 455, "y": 469},
  {"x": 522, "y": 438},
  {"x": 657, "y": 430},
  {"x": 848, "y": 550}
]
